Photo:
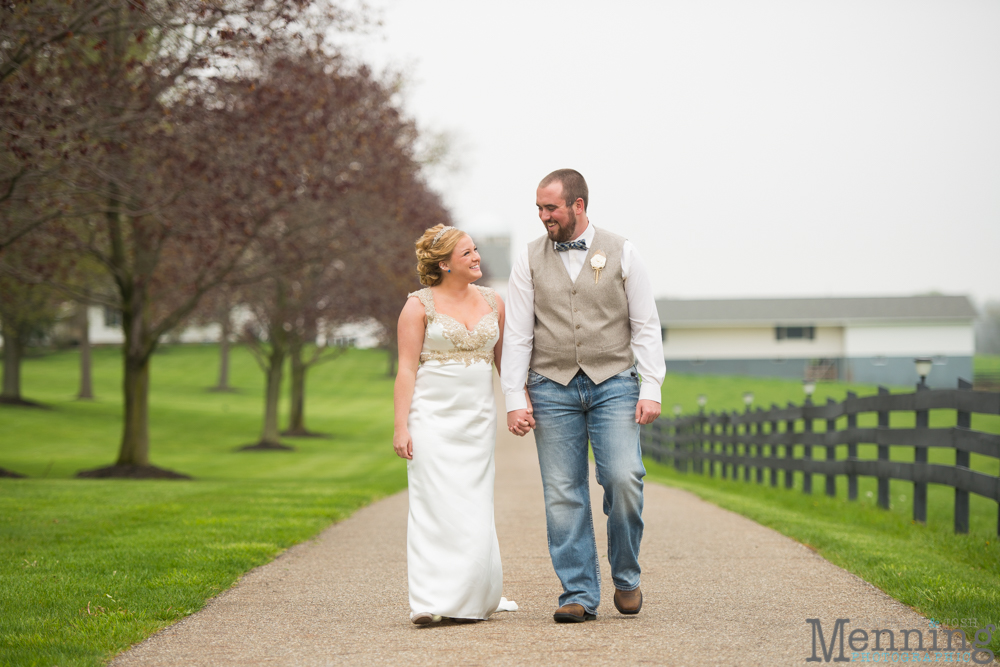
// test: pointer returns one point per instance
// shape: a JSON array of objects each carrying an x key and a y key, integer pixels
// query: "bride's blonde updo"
[{"x": 433, "y": 247}]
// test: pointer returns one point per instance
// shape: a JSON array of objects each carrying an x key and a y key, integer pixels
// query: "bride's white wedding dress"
[{"x": 452, "y": 553}]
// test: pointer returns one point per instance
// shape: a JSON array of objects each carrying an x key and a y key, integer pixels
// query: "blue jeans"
[{"x": 565, "y": 419}]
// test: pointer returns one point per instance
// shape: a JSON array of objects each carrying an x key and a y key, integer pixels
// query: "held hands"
[
  {"x": 645, "y": 412},
  {"x": 519, "y": 422},
  {"x": 402, "y": 443}
]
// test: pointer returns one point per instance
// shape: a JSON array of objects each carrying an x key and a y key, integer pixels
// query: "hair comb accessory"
[{"x": 437, "y": 237}]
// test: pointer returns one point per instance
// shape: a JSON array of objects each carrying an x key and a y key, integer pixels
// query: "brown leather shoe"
[
  {"x": 628, "y": 602},
  {"x": 572, "y": 613}
]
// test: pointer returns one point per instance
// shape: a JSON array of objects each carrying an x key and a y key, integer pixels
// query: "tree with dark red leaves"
[
  {"x": 124, "y": 134},
  {"x": 185, "y": 146},
  {"x": 357, "y": 147}
]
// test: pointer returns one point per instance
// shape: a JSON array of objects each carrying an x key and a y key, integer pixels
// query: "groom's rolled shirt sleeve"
[
  {"x": 519, "y": 333},
  {"x": 647, "y": 337}
]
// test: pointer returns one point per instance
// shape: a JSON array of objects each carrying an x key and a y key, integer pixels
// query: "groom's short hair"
[{"x": 573, "y": 185}]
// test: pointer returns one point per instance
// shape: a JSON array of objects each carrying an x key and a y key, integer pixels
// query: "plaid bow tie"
[{"x": 579, "y": 244}]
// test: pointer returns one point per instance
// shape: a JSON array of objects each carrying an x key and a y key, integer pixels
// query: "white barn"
[
  {"x": 870, "y": 340},
  {"x": 105, "y": 328}
]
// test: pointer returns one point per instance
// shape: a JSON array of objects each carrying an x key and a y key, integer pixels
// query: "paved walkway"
[{"x": 719, "y": 590}]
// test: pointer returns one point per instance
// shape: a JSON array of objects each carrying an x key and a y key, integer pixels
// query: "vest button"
[
  {"x": 574, "y": 291},
  {"x": 577, "y": 326},
  {"x": 578, "y": 344},
  {"x": 576, "y": 310}
]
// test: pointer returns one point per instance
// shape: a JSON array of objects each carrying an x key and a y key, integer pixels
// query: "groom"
[{"x": 583, "y": 336}]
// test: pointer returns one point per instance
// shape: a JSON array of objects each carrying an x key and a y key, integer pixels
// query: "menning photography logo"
[{"x": 882, "y": 644}]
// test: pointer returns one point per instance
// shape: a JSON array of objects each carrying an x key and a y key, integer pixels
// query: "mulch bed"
[
  {"x": 131, "y": 472},
  {"x": 266, "y": 447},
  {"x": 22, "y": 403}
]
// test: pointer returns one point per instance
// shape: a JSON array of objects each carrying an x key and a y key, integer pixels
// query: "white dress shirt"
[{"x": 519, "y": 330}]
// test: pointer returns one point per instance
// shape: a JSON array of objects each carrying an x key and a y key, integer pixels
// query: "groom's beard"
[{"x": 561, "y": 234}]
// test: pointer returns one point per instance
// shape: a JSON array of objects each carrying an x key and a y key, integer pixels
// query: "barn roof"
[{"x": 814, "y": 311}]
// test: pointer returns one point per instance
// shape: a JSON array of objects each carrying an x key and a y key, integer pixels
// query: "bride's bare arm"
[
  {"x": 527, "y": 421},
  {"x": 498, "y": 348},
  {"x": 410, "y": 335}
]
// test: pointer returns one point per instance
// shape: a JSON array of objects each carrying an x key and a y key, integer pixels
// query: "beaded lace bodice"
[{"x": 448, "y": 340}]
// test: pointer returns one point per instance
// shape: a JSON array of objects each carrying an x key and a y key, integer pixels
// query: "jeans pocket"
[
  {"x": 534, "y": 378},
  {"x": 630, "y": 373}
]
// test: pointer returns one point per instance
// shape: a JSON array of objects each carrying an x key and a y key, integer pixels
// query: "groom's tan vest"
[{"x": 580, "y": 325}]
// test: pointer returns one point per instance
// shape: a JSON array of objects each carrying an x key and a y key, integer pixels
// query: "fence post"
[
  {"x": 758, "y": 428},
  {"x": 711, "y": 446},
  {"x": 729, "y": 429},
  {"x": 690, "y": 429},
  {"x": 734, "y": 446},
  {"x": 696, "y": 444},
  {"x": 678, "y": 431},
  {"x": 962, "y": 461},
  {"x": 831, "y": 453},
  {"x": 883, "y": 455},
  {"x": 727, "y": 447},
  {"x": 686, "y": 462},
  {"x": 920, "y": 456},
  {"x": 722, "y": 429},
  {"x": 654, "y": 434},
  {"x": 720, "y": 447},
  {"x": 746, "y": 448},
  {"x": 774, "y": 447},
  {"x": 717, "y": 430},
  {"x": 704, "y": 447},
  {"x": 790, "y": 450},
  {"x": 852, "y": 451},
  {"x": 672, "y": 432},
  {"x": 705, "y": 441},
  {"x": 807, "y": 450}
]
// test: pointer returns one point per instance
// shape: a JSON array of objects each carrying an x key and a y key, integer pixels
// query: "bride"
[{"x": 450, "y": 335}]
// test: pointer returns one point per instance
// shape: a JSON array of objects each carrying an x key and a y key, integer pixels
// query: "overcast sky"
[{"x": 747, "y": 147}]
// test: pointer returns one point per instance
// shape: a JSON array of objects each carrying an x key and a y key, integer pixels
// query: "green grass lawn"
[
  {"x": 954, "y": 579},
  {"x": 88, "y": 567},
  {"x": 986, "y": 363}
]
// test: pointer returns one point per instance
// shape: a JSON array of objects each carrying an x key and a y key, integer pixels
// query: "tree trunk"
[
  {"x": 11, "y": 365},
  {"x": 86, "y": 383},
  {"x": 392, "y": 348},
  {"x": 272, "y": 394},
  {"x": 393, "y": 351},
  {"x": 135, "y": 435},
  {"x": 297, "y": 418},
  {"x": 223, "y": 384}
]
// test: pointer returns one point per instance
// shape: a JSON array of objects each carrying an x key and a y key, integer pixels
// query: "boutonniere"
[{"x": 597, "y": 263}]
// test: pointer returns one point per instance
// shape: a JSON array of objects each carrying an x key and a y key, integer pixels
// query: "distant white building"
[
  {"x": 105, "y": 323},
  {"x": 106, "y": 329},
  {"x": 362, "y": 335},
  {"x": 494, "y": 254},
  {"x": 869, "y": 340}
]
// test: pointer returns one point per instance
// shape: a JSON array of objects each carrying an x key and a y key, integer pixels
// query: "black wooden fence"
[{"x": 755, "y": 443}]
